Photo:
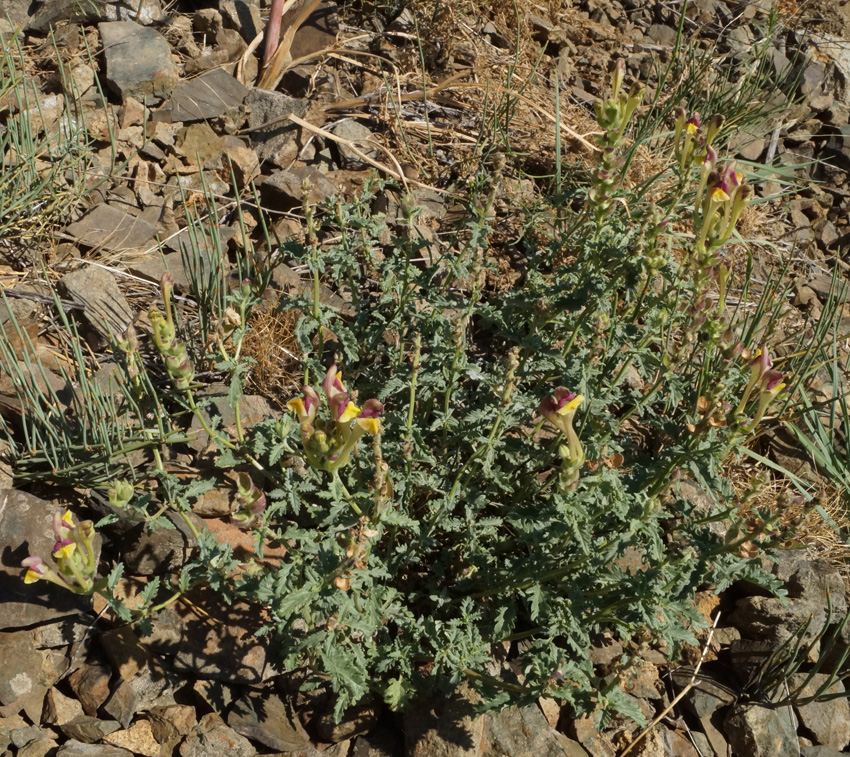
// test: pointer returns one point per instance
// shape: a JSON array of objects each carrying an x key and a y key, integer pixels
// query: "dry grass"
[{"x": 271, "y": 343}]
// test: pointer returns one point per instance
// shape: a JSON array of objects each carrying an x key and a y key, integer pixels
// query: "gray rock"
[
  {"x": 253, "y": 408},
  {"x": 269, "y": 127},
  {"x": 23, "y": 736},
  {"x": 267, "y": 719},
  {"x": 34, "y": 16},
  {"x": 359, "y": 134},
  {"x": 775, "y": 620},
  {"x": 104, "y": 306},
  {"x": 88, "y": 729},
  {"x": 283, "y": 191},
  {"x": 662, "y": 35},
  {"x": 213, "y": 736},
  {"x": 828, "y": 721},
  {"x": 820, "y": 751},
  {"x": 112, "y": 230},
  {"x": 138, "y": 61},
  {"x": 80, "y": 749},
  {"x": 761, "y": 732},
  {"x": 26, "y": 528},
  {"x": 523, "y": 732},
  {"x": 212, "y": 94},
  {"x": 64, "y": 632}
]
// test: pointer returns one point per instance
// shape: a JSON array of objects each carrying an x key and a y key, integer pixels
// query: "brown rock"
[
  {"x": 213, "y": 736},
  {"x": 356, "y": 720},
  {"x": 90, "y": 683},
  {"x": 138, "y": 738},
  {"x": 199, "y": 144},
  {"x": 88, "y": 729},
  {"x": 245, "y": 164},
  {"x": 60, "y": 709},
  {"x": 124, "y": 650},
  {"x": 268, "y": 719},
  {"x": 171, "y": 723}
]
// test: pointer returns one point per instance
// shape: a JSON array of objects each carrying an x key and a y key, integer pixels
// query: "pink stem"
[{"x": 272, "y": 35}]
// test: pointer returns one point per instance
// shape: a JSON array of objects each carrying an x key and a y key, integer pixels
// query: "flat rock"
[
  {"x": 170, "y": 723},
  {"x": 138, "y": 738},
  {"x": 75, "y": 748},
  {"x": 199, "y": 144},
  {"x": 267, "y": 719},
  {"x": 26, "y": 528},
  {"x": 25, "y": 673},
  {"x": 212, "y": 94},
  {"x": 112, "y": 230},
  {"x": 283, "y": 189},
  {"x": 104, "y": 307},
  {"x": 138, "y": 61},
  {"x": 269, "y": 127},
  {"x": 88, "y": 729},
  {"x": 213, "y": 736}
]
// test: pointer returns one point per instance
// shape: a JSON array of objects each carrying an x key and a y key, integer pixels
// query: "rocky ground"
[{"x": 183, "y": 111}]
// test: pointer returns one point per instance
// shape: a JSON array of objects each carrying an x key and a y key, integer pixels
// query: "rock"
[
  {"x": 154, "y": 553},
  {"x": 253, "y": 409},
  {"x": 70, "y": 630},
  {"x": 199, "y": 145},
  {"x": 523, "y": 732},
  {"x": 26, "y": 527},
  {"x": 153, "y": 685},
  {"x": 90, "y": 684},
  {"x": 269, "y": 127},
  {"x": 138, "y": 738},
  {"x": 22, "y": 736},
  {"x": 60, "y": 709},
  {"x": 138, "y": 61},
  {"x": 243, "y": 16},
  {"x": 761, "y": 732},
  {"x": 216, "y": 503},
  {"x": 829, "y": 721},
  {"x": 212, "y": 736},
  {"x": 359, "y": 134},
  {"x": 79, "y": 749},
  {"x": 221, "y": 645},
  {"x": 267, "y": 719},
  {"x": 585, "y": 733},
  {"x": 170, "y": 723},
  {"x": 448, "y": 728},
  {"x": 815, "y": 580},
  {"x": 776, "y": 620},
  {"x": 317, "y": 33},
  {"x": 212, "y": 94},
  {"x": 111, "y": 230},
  {"x": 820, "y": 751},
  {"x": 124, "y": 650},
  {"x": 245, "y": 164},
  {"x": 40, "y": 747},
  {"x": 283, "y": 189},
  {"x": 662, "y": 35},
  {"x": 357, "y": 720},
  {"x": 451, "y": 729},
  {"x": 104, "y": 306},
  {"x": 88, "y": 729},
  {"x": 25, "y": 673}
]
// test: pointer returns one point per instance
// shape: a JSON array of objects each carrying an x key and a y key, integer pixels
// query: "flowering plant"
[{"x": 73, "y": 556}]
